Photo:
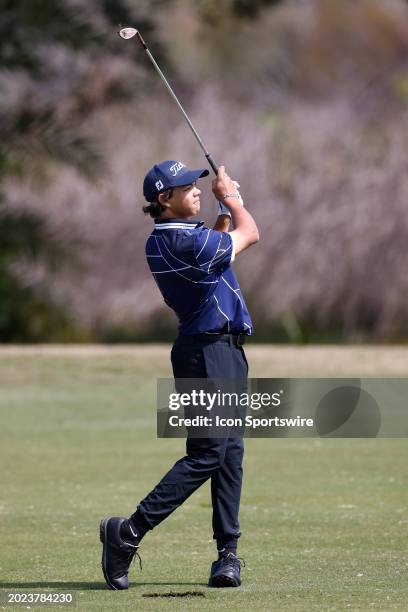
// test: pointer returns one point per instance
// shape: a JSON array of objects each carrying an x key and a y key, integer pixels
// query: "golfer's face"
[{"x": 185, "y": 201}]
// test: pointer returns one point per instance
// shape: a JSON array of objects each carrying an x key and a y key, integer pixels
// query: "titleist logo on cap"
[{"x": 175, "y": 168}]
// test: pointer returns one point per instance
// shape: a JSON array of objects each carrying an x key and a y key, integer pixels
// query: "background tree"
[{"x": 52, "y": 78}]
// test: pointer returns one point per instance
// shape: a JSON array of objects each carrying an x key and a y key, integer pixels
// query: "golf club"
[{"x": 127, "y": 33}]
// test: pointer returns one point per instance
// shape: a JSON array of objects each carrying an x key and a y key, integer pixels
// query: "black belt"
[{"x": 236, "y": 339}]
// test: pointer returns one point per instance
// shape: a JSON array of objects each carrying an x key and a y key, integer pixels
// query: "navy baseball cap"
[{"x": 169, "y": 174}]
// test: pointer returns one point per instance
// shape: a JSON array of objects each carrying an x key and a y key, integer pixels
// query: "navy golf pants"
[{"x": 217, "y": 458}]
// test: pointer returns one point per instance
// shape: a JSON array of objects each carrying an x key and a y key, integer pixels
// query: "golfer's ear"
[{"x": 163, "y": 199}]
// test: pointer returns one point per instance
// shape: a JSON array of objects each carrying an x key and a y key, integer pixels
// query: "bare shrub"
[{"x": 310, "y": 118}]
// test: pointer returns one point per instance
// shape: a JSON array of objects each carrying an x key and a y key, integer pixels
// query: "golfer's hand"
[{"x": 223, "y": 184}]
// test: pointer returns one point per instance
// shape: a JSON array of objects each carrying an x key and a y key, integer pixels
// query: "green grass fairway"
[{"x": 324, "y": 522}]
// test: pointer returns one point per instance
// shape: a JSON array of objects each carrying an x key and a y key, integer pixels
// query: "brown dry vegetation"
[{"x": 307, "y": 106}]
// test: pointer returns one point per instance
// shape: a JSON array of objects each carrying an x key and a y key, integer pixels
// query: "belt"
[{"x": 235, "y": 339}]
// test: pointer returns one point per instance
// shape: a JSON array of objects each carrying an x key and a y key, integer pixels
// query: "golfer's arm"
[
  {"x": 222, "y": 224},
  {"x": 245, "y": 232}
]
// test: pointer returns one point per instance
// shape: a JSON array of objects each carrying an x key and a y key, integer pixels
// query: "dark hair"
[{"x": 155, "y": 209}]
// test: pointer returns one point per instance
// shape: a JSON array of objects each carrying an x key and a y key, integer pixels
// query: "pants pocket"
[
  {"x": 245, "y": 359},
  {"x": 188, "y": 362}
]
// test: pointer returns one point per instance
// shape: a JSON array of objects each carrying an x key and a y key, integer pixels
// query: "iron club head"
[{"x": 127, "y": 33}]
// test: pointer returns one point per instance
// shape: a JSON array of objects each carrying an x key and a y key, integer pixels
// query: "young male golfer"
[{"x": 191, "y": 265}]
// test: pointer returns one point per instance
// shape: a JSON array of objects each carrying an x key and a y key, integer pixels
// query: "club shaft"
[{"x": 186, "y": 117}]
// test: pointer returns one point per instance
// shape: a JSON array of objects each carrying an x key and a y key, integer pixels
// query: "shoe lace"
[
  {"x": 232, "y": 559},
  {"x": 132, "y": 557}
]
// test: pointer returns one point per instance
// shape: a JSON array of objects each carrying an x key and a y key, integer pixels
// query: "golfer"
[{"x": 191, "y": 265}]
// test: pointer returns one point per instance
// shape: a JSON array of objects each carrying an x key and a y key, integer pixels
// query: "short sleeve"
[{"x": 213, "y": 250}]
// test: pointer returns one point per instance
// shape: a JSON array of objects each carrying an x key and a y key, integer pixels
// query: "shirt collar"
[{"x": 176, "y": 223}]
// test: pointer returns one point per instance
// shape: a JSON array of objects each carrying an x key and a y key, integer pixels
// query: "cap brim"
[{"x": 189, "y": 177}]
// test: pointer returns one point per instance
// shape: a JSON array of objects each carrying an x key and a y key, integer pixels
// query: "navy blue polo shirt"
[{"x": 191, "y": 265}]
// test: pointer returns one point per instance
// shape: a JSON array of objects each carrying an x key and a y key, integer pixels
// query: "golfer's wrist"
[
  {"x": 231, "y": 199},
  {"x": 230, "y": 195},
  {"x": 223, "y": 210}
]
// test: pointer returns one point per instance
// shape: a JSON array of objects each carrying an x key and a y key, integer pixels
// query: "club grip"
[{"x": 212, "y": 163}]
